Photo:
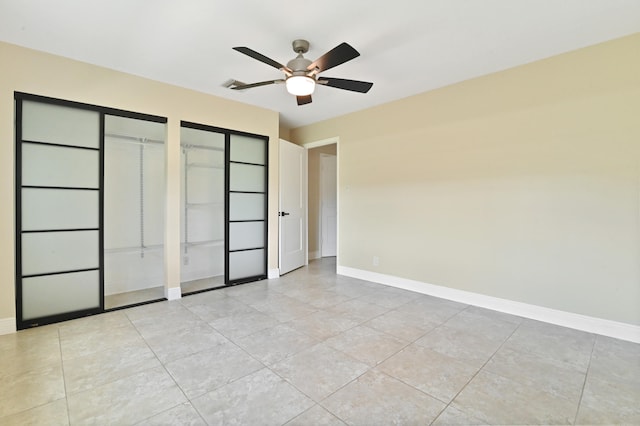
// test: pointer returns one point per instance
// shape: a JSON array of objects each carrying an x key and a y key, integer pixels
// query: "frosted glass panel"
[
  {"x": 59, "y": 251},
  {"x": 244, "y": 264},
  {"x": 247, "y": 149},
  {"x": 246, "y": 206},
  {"x": 57, "y": 294},
  {"x": 246, "y": 235},
  {"x": 244, "y": 177},
  {"x": 59, "y": 124},
  {"x": 44, "y": 165},
  {"x": 59, "y": 209}
]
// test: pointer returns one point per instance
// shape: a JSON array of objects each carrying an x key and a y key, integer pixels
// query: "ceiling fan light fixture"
[
  {"x": 301, "y": 75},
  {"x": 300, "y": 85}
]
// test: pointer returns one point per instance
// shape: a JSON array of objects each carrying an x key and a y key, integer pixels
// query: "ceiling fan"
[{"x": 301, "y": 75}]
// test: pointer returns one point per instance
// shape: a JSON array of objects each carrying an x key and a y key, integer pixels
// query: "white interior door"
[
  {"x": 293, "y": 207},
  {"x": 329, "y": 211}
]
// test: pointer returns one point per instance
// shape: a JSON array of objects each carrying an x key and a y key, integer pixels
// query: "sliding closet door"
[
  {"x": 58, "y": 217},
  {"x": 247, "y": 208}
]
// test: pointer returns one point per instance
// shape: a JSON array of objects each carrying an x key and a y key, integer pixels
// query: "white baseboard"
[
  {"x": 314, "y": 255},
  {"x": 173, "y": 293},
  {"x": 7, "y": 326},
  {"x": 273, "y": 273},
  {"x": 589, "y": 324}
]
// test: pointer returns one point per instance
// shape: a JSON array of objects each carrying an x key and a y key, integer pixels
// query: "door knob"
[{"x": 284, "y": 214}]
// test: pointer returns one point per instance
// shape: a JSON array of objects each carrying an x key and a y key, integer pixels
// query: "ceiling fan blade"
[
  {"x": 336, "y": 56},
  {"x": 341, "y": 83},
  {"x": 260, "y": 57},
  {"x": 303, "y": 100},
  {"x": 261, "y": 83}
]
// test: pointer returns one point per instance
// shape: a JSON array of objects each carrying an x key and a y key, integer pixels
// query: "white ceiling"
[{"x": 407, "y": 46}]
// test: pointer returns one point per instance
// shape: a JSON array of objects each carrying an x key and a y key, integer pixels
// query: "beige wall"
[
  {"x": 34, "y": 72},
  {"x": 285, "y": 132},
  {"x": 314, "y": 194},
  {"x": 523, "y": 185}
]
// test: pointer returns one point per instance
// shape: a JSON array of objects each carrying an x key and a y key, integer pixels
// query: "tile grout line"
[
  {"x": 251, "y": 356},
  {"x": 297, "y": 389},
  {"x": 231, "y": 341},
  {"x": 4, "y": 416},
  {"x": 64, "y": 378},
  {"x": 385, "y": 313},
  {"x": 189, "y": 400},
  {"x": 166, "y": 371},
  {"x": 371, "y": 368},
  {"x": 340, "y": 388},
  {"x": 319, "y": 342},
  {"x": 269, "y": 368},
  {"x": 314, "y": 405},
  {"x": 586, "y": 376},
  {"x": 477, "y": 372}
]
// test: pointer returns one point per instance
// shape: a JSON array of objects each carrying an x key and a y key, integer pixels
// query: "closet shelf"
[
  {"x": 199, "y": 205},
  {"x": 133, "y": 139},
  {"x": 204, "y": 166},
  {"x": 134, "y": 249},
  {"x": 203, "y": 243},
  {"x": 160, "y": 246},
  {"x": 197, "y": 146}
]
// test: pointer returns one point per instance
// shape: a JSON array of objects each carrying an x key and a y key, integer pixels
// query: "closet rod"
[
  {"x": 211, "y": 204},
  {"x": 134, "y": 139},
  {"x": 197, "y": 146},
  {"x": 204, "y": 166},
  {"x": 204, "y": 243},
  {"x": 133, "y": 249}
]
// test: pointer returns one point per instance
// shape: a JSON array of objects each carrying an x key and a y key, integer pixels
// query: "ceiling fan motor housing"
[{"x": 299, "y": 65}]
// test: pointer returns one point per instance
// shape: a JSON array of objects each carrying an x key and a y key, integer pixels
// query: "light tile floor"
[{"x": 314, "y": 348}]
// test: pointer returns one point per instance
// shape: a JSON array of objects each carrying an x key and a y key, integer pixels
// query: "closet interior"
[
  {"x": 203, "y": 209},
  {"x": 134, "y": 182}
]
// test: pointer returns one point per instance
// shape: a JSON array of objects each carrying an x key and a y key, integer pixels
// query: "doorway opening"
[{"x": 323, "y": 200}]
